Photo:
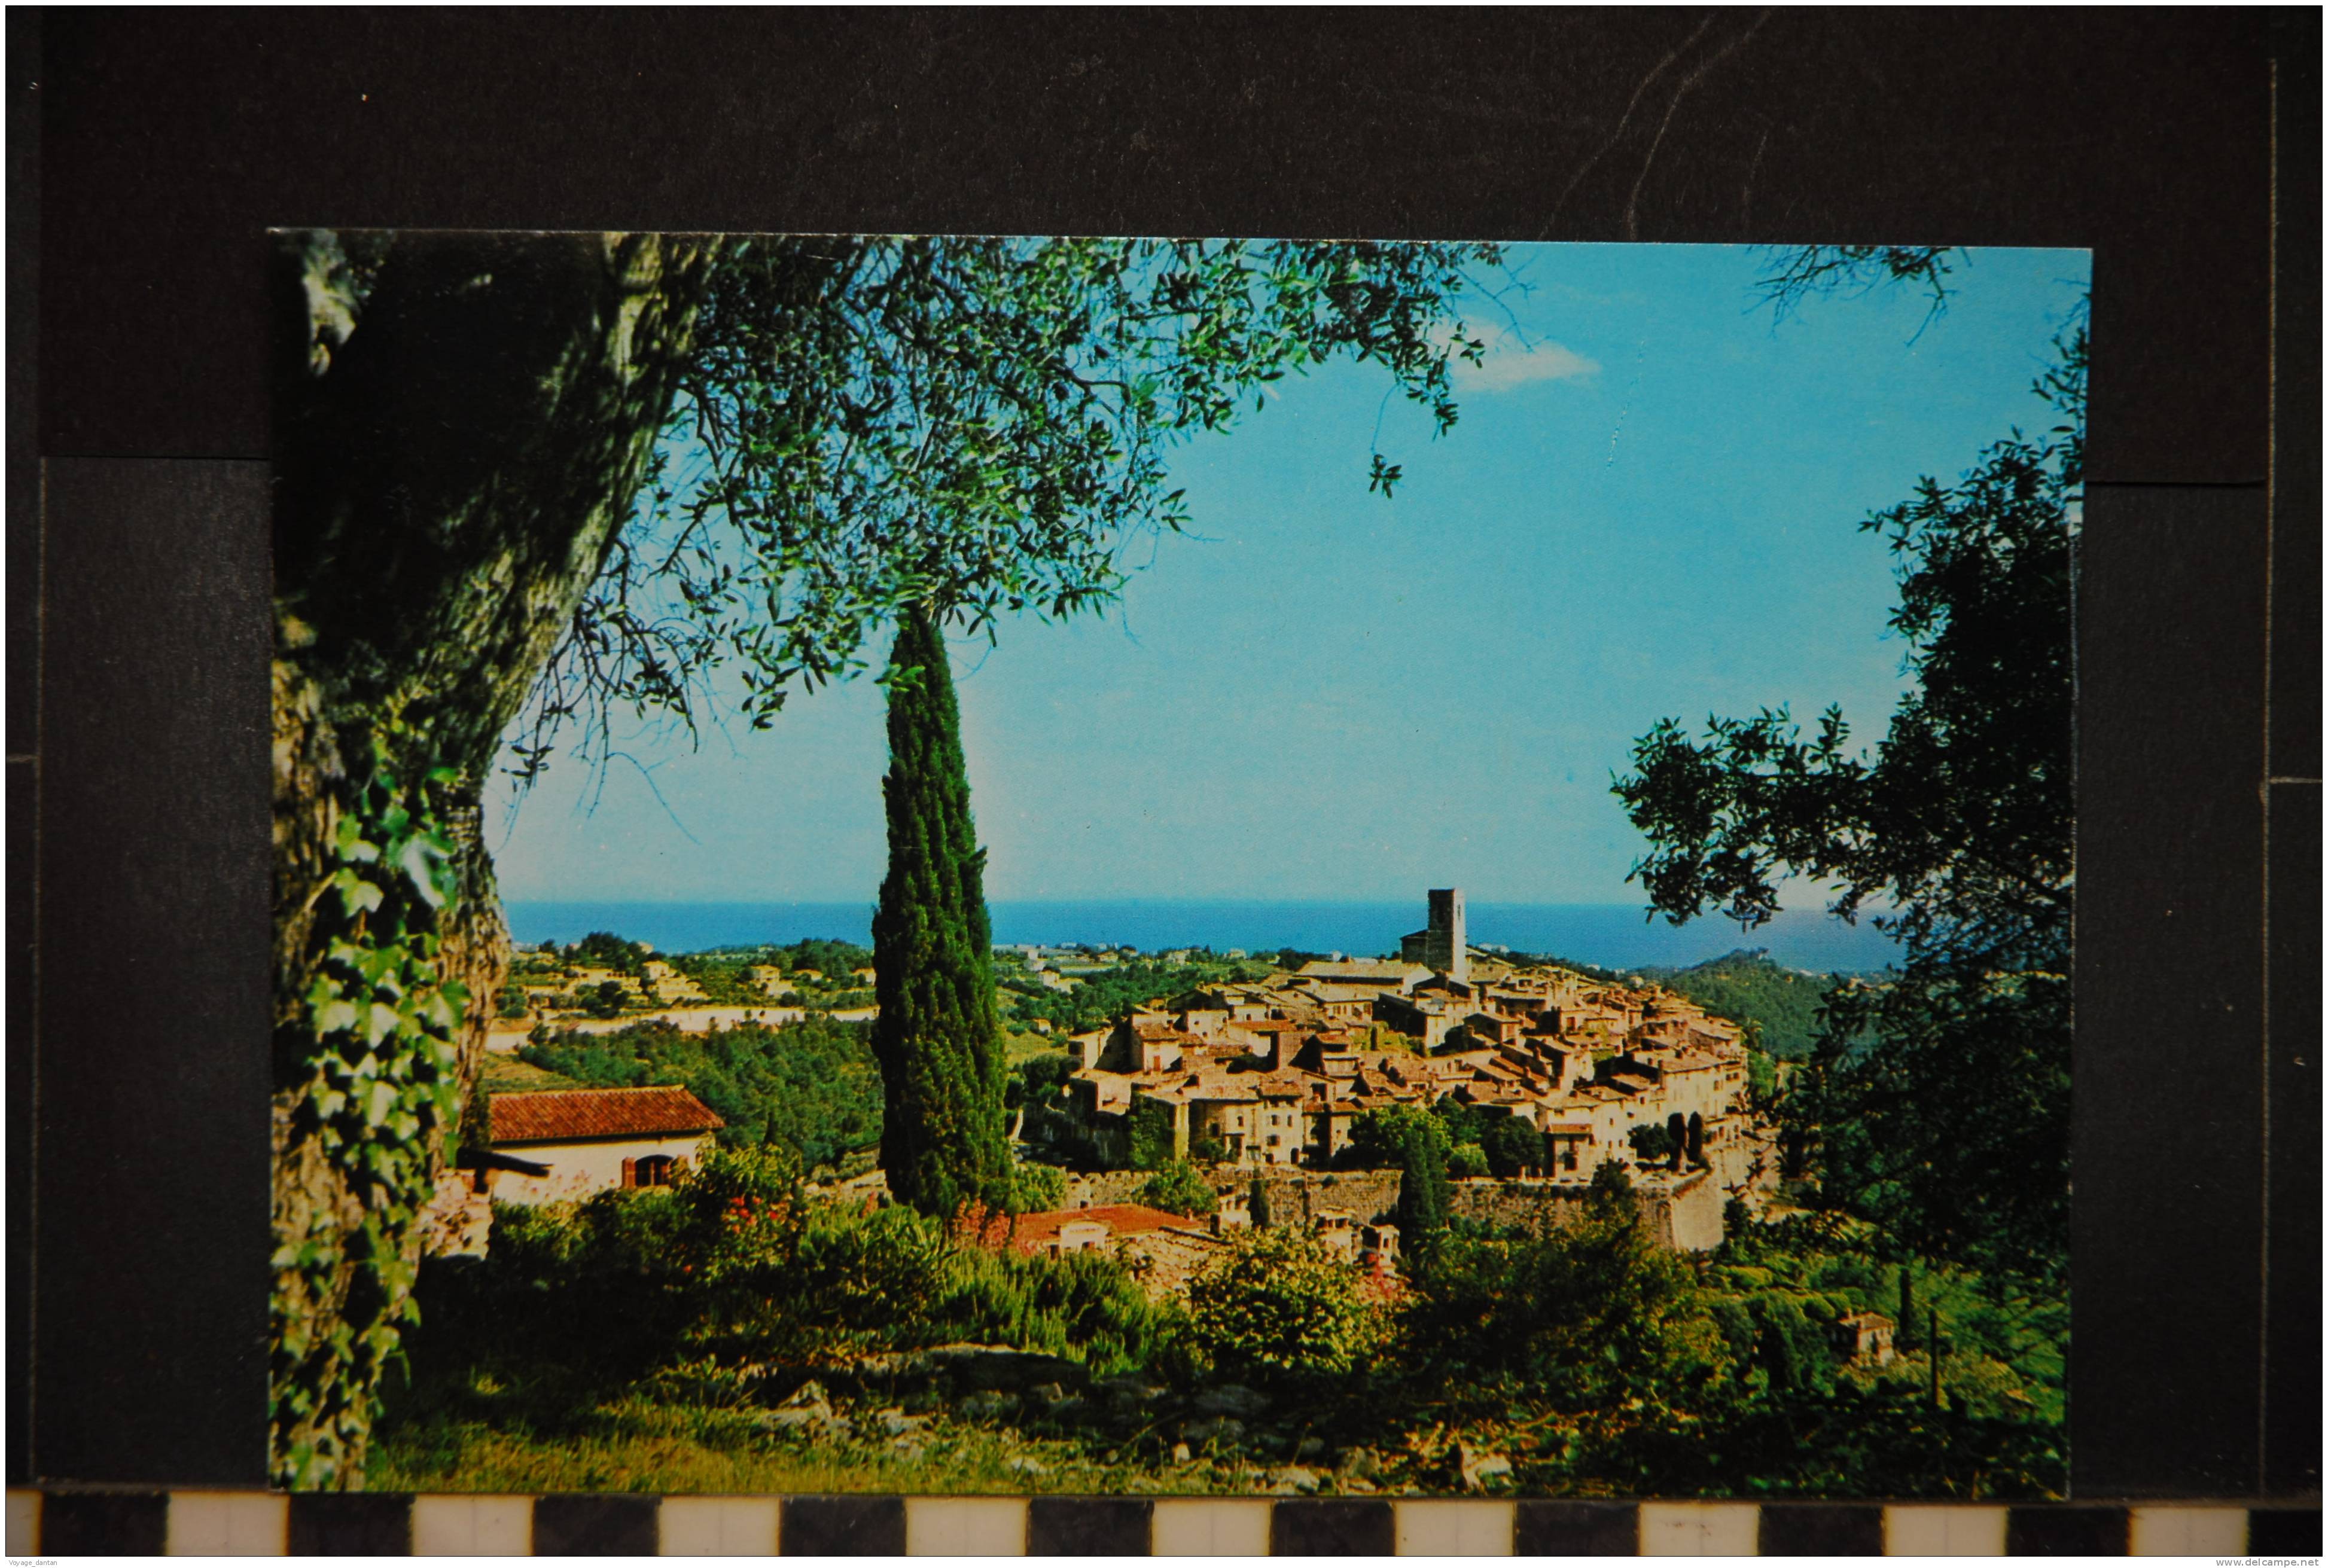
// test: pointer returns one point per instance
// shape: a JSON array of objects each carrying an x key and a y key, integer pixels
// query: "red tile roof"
[
  {"x": 1032, "y": 1232},
  {"x": 555, "y": 1115}
]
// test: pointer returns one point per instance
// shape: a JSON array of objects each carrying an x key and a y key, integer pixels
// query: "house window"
[{"x": 654, "y": 1171}]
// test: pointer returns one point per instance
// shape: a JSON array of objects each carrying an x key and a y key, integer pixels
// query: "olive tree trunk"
[{"x": 462, "y": 426}]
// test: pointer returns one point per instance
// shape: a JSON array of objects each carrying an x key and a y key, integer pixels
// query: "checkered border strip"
[{"x": 113, "y": 1523}]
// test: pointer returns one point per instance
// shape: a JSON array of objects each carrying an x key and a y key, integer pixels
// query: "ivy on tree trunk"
[{"x": 461, "y": 426}]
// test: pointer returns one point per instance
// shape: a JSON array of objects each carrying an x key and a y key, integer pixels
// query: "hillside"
[{"x": 1747, "y": 987}]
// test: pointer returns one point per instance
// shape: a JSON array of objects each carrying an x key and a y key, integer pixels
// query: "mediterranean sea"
[{"x": 1610, "y": 935}]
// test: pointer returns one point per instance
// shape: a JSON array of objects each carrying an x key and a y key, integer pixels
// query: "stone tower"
[{"x": 1444, "y": 947}]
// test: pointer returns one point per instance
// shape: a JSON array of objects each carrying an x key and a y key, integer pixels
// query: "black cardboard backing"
[{"x": 169, "y": 140}]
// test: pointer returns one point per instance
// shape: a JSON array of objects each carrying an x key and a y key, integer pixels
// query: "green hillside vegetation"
[
  {"x": 1589, "y": 970},
  {"x": 725, "y": 978},
  {"x": 1747, "y": 988},
  {"x": 832, "y": 959},
  {"x": 1104, "y": 995},
  {"x": 821, "y": 971},
  {"x": 2001, "y": 1355},
  {"x": 666, "y": 1341},
  {"x": 811, "y": 1084}
]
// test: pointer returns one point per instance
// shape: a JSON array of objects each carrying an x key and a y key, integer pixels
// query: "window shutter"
[{"x": 630, "y": 1173}]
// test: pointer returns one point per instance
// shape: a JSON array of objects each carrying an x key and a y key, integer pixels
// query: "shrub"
[
  {"x": 1379, "y": 1139},
  {"x": 1512, "y": 1146},
  {"x": 1180, "y": 1188},
  {"x": 744, "y": 1214},
  {"x": 1789, "y": 1348},
  {"x": 1040, "y": 1188},
  {"x": 1280, "y": 1303},
  {"x": 1467, "y": 1160},
  {"x": 1150, "y": 1134},
  {"x": 857, "y": 1270},
  {"x": 1083, "y": 1306},
  {"x": 1590, "y": 1317}
]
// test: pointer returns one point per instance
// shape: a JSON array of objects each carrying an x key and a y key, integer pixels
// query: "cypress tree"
[
  {"x": 1423, "y": 1194},
  {"x": 938, "y": 1037},
  {"x": 1907, "y": 1337}
]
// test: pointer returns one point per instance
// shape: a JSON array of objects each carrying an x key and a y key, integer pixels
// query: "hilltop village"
[
  {"x": 1277, "y": 1074},
  {"x": 1267, "y": 1080}
]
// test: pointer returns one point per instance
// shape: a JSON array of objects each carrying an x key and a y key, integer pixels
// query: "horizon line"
[{"x": 1080, "y": 899}]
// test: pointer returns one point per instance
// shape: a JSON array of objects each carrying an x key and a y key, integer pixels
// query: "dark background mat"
[{"x": 147, "y": 150}]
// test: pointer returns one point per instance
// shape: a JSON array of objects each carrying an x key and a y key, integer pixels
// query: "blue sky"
[{"x": 1648, "y": 508}]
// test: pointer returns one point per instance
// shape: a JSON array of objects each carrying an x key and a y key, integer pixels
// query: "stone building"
[
  {"x": 556, "y": 1145},
  {"x": 1441, "y": 945},
  {"x": 1279, "y": 1074},
  {"x": 1865, "y": 1336}
]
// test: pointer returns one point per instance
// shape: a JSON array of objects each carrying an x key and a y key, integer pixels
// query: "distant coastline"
[{"x": 1612, "y": 935}]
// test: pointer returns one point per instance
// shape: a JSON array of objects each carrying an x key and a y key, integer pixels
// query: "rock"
[
  {"x": 1311, "y": 1448},
  {"x": 1049, "y": 1394},
  {"x": 998, "y": 1367},
  {"x": 1024, "y": 1466},
  {"x": 1128, "y": 1386},
  {"x": 809, "y": 1396},
  {"x": 1181, "y": 1454},
  {"x": 1359, "y": 1464},
  {"x": 1480, "y": 1467},
  {"x": 783, "y": 1420},
  {"x": 1231, "y": 1399},
  {"x": 1214, "y": 1429},
  {"x": 896, "y": 1422},
  {"x": 1294, "y": 1478},
  {"x": 987, "y": 1404}
]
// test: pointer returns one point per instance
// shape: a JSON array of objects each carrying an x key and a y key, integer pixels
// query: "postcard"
[{"x": 954, "y": 864}]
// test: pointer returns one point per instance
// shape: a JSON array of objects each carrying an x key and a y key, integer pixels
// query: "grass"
[
  {"x": 639, "y": 1446},
  {"x": 507, "y": 1074},
  {"x": 1022, "y": 1047}
]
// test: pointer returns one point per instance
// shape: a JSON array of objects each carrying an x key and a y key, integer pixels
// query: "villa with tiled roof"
[{"x": 586, "y": 1141}]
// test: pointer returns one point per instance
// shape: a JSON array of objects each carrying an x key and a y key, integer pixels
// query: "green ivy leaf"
[{"x": 357, "y": 897}]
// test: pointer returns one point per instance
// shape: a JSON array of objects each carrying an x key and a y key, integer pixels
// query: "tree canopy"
[
  {"x": 979, "y": 424},
  {"x": 822, "y": 430},
  {"x": 1951, "y": 1128}
]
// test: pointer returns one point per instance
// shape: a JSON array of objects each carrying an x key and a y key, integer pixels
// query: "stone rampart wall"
[
  {"x": 1537, "y": 1208},
  {"x": 1101, "y": 1187},
  {"x": 1685, "y": 1216},
  {"x": 1365, "y": 1195}
]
